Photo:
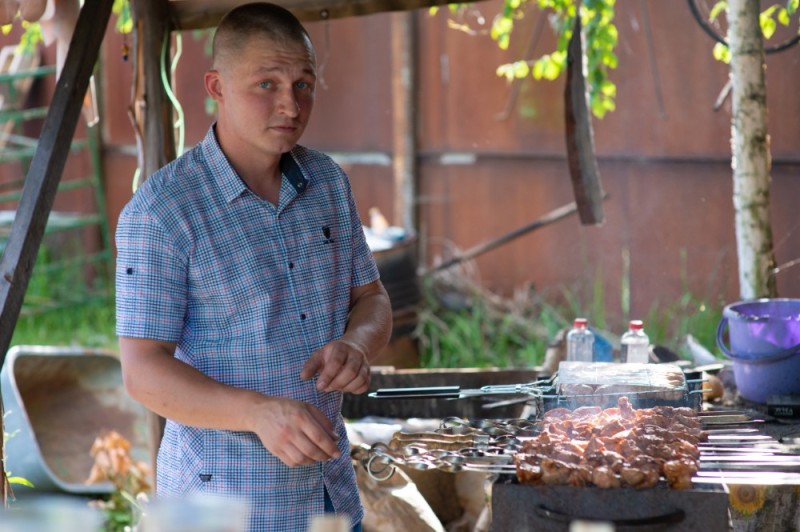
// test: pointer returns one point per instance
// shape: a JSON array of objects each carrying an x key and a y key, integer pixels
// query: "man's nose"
[{"x": 288, "y": 104}]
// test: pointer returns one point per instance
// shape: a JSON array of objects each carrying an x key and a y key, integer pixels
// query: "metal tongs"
[{"x": 535, "y": 389}]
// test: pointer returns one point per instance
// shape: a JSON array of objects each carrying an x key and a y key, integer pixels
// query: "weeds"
[
  {"x": 90, "y": 324},
  {"x": 464, "y": 325},
  {"x": 130, "y": 478},
  {"x": 62, "y": 307}
]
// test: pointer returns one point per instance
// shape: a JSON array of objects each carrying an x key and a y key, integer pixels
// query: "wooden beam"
[
  {"x": 151, "y": 111},
  {"x": 151, "y": 114},
  {"x": 41, "y": 183},
  {"x": 404, "y": 111},
  {"x": 580, "y": 139},
  {"x": 202, "y": 14}
]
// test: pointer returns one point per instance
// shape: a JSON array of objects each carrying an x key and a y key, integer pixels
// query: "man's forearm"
[
  {"x": 177, "y": 391},
  {"x": 370, "y": 321}
]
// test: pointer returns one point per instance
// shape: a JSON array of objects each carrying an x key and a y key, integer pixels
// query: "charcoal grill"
[
  {"x": 736, "y": 453},
  {"x": 578, "y": 384},
  {"x": 523, "y": 507}
]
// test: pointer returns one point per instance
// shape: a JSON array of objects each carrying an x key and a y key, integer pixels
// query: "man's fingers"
[
  {"x": 326, "y": 425},
  {"x": 331, "y": 369},
  {"x": 360, "y": 384},
  {"x": 339, "y": 366},
  {"x": 352, "y": 376},
  {"x": 317, "y": 441},
  {"x": 311, "y": 366},
  {"x": 301, "y": 434}
]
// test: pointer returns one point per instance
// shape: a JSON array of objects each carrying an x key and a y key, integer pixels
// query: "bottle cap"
[
  {"x": 580, "y": 322},
  {"x": 636, "y": 325}
]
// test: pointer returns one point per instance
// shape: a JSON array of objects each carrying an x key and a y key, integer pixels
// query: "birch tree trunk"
[{"x": 750, "y": 148}]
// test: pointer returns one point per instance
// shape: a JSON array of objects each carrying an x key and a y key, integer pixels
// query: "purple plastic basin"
[{"x": 764, "y": 345}]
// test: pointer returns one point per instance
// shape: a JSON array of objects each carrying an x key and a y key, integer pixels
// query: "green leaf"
[
  {"x": 551, "y": 70},
  {"x": 506, "y": 71},
  {"x": 21, "y": 481},
  {"x": 721, "y": 53},
  {"x": 122, "y": 8},
  {"x": 504, "y": 41},
  {"x": 610, "y": 59},
  {"x": 718, "y": 8},
  {"x": 521, "y": 69},
  {"x": 539, "y": 67},
  {"x": 31, "y": 37},
  {"x": 768, "y": 26},
  {"x": 783, "y": 16},
  {"x": 608, "y": 88},
  {"x": 502, "y": 26},
  {"x": 769, "y": 11}
]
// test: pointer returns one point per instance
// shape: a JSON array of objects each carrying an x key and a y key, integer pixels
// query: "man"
[{"x": 247, "y": 298}]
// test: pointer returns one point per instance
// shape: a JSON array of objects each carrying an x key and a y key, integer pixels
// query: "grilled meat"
[{"x": 619, "y": 446}]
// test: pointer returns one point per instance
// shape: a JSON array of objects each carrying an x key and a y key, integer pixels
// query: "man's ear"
[{"x": 213, "y": 83}]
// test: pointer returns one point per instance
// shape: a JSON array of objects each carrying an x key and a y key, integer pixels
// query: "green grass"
[
  {"x": 460, "y": 324},
  {"x": 483, "y": 331},
  {"x": 463, "y": 325},
  {"x": 89, "y": 324},
  {"x": 481, "y": 337},
  {"x": 62, "y": 308}
]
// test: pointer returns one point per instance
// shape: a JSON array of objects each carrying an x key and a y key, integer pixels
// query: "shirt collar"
[
  {"x": 229, "y": 181},
  {"x": 291, "y": 170}
]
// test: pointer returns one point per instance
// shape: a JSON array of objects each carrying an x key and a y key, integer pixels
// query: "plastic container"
[
  {"x": 580, "y": 342},
  {"x": 764, "y": 340},
  {"x": 635, "y": 344}
]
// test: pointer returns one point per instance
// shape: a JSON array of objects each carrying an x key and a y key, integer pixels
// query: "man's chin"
[{"x": 285, "y": 143}]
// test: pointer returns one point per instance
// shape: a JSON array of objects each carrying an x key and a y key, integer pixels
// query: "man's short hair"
[{"x": 258, "y": 19}]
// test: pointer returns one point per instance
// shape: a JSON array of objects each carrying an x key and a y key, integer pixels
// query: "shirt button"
[
  {"x": 291, "y": 265},
  {"x": 302, "y": 316}
]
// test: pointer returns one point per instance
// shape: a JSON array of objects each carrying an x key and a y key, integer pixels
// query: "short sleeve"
[
  {"x": 365, "y": 270},
  {"x": 151, "y": 274}
]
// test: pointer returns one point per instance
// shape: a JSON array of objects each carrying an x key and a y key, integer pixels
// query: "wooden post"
[
  {"x": 151, "y": 114},
  {"x": 41, "y": 182},
  {"x": 404, "y": 111},
  {"x": 151, "y": 111},
  {"x": 580, "y": 140}
]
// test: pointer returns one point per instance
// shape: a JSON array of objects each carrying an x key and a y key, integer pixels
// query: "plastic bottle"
[
  {"x": 635, "y": 343},
  {"x": 580, "y": 341}
]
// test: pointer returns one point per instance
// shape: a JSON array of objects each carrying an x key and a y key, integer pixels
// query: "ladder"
[{"x": 75, "y": 260}]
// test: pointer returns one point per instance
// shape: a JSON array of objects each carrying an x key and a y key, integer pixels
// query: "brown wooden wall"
[{"x": 664, "y": 154}]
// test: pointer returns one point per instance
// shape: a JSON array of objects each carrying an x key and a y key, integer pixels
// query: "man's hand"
[
  {"x": 296, "y": 432},
  {"x": 340, "y": 366}
]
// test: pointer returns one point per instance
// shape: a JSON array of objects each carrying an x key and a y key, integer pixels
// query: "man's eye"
[
  {"x": 264, "y": 84},
  {"x": 303, "y": 85}
]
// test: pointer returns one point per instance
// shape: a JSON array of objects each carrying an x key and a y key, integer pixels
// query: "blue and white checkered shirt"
[{"x": 247, "y": 290}]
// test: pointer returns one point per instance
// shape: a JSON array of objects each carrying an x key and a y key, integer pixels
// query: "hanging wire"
[
  {"x": 137, "y": 174},
  {"x": 179, "y": 124}
]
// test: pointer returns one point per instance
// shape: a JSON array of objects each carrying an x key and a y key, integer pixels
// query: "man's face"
[{"x": 265, "y": 97}]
